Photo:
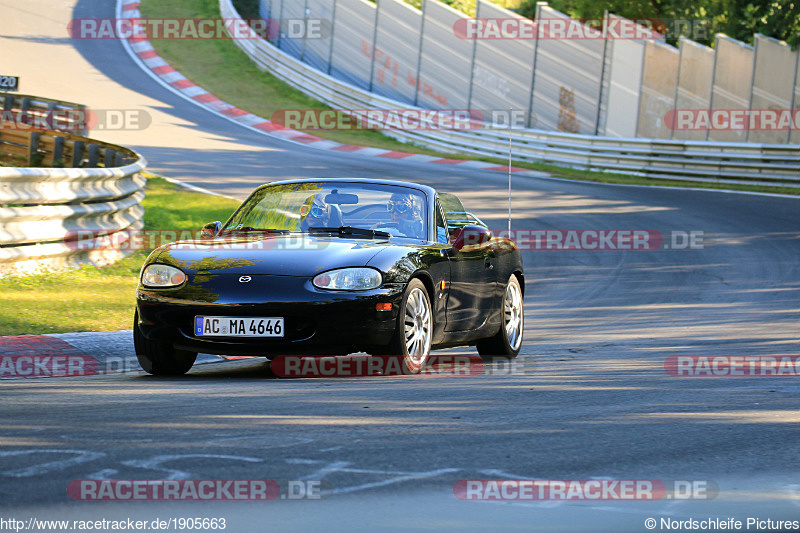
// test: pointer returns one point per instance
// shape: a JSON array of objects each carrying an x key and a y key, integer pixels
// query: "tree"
[{"x": 740, "y": 19}]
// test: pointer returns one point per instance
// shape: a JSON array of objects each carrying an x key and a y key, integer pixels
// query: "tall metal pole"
[
  {"x": 510, "y": 130},
  {"x": 306, "y": 15},
  {"x": 535, "y": 54},
  {"x": 713, "y": 78},
  {"x": 472, "y": 63},
  {"x": 374, "y": 43},
  {"x": 603, "y": 89},
  {"x": 333, "y": 30},
  {"x": 419, "y": 53},
  {"x": 280, "y": 21}
]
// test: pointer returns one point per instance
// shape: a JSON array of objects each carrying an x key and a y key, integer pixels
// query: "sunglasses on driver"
[
  {"x": 315, "y": 211},
  {"x": 400, "y": 207}
]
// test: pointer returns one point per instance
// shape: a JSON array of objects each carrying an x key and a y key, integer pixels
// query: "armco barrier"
[
  {"x": 39, "y": 207},
  {"x": 761, "y": 164},
  {"x": 26, "y": 109}
]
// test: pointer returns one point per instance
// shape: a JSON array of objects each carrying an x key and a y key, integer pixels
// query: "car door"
[{"x": 472, "y": 284}]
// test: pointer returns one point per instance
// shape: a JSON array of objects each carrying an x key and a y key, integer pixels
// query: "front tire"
[
  {"x": 160, "y": 358},
  {"x": 508, "y": 341},
  {"x": 414, "y": 330}
]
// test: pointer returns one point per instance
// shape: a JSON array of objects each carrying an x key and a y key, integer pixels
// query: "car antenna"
[{"x": 510, "y": 112}]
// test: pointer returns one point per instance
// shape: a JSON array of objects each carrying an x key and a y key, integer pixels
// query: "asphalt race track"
[{"x": 589, "y": 397}]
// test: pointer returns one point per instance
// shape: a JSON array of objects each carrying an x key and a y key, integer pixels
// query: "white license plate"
[{"x": 234, "y": 326}]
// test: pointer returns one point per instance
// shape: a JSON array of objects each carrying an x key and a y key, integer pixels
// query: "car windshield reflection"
[{"x": 377, "y": 210}]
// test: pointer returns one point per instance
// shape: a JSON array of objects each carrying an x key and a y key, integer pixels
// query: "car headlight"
[
  {"x": 162, "y": 276},
  {"x": 348, "y": 279}
]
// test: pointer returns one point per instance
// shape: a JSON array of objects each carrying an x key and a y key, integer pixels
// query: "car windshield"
[{"x": 302, "y": 207}]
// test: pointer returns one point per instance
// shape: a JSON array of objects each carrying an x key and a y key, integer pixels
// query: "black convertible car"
[{"x": 329, "y": 267}]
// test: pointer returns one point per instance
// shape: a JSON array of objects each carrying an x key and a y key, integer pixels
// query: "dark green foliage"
[{"x": 740, "y": 19}]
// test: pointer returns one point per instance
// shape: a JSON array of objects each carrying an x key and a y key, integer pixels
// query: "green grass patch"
[
  {"x": 169, "y": 206},
  {"x": 102, "y": 299},
  {"x": 223, "y": 69}
]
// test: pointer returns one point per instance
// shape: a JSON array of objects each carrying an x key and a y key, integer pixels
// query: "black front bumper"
[{"x": 316, "y": 322}]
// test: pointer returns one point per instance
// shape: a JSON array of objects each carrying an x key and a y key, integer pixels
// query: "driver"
[
  {"x": 404, "y": 211},
  {"x": 314, "y": 212}
]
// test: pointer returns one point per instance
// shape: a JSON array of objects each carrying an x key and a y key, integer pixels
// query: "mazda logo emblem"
[{"x": 244, "y": 279}]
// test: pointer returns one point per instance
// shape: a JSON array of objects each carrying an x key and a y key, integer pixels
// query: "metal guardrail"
[
  {"x": 40, "y": 207},
  {"x": 57, "y": 149},
  {"x": 28, "y": 109},
  {"x": 746, "y": 163}
]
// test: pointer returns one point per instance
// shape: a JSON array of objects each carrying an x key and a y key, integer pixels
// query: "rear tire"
[
  {"x": 414, "y": 330},
  {"x": 160, "y": 358},
  {"x": 508, "y": 340}
]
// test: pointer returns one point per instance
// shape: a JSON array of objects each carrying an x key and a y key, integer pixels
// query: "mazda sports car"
[{"x": 332, "y": 267}]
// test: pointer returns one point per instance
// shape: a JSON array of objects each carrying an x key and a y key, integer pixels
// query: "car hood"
[{"x": 293, "y": 254}]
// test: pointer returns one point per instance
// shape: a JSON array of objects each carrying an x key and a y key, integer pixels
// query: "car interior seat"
[{"x": 336, "y": 216}]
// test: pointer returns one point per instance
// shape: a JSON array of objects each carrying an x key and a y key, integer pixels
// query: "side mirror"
[
  {"x": 211, "y": 230},
  {"x": 470, "y": 235}
]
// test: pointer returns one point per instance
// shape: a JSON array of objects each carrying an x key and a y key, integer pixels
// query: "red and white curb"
[
  {"x": 140, "y": 49},
  {"x": 73, "y": 354}
]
